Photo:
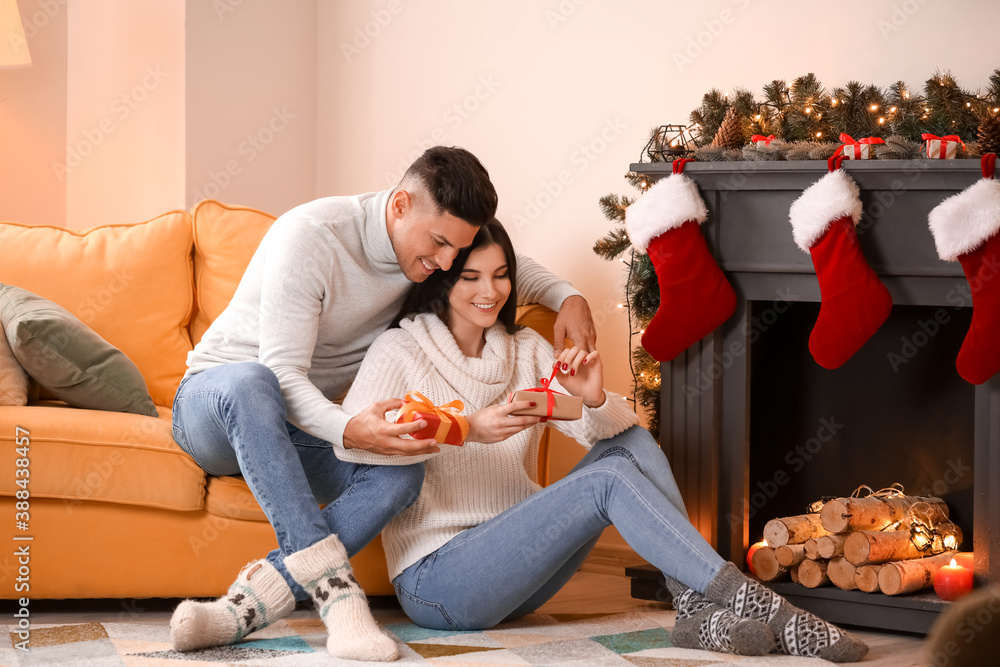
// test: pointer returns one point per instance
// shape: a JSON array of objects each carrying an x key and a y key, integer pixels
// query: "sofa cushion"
[
  {"x": 79, "y": 455},
  {"x": 13, "y": 378},
  {"x": 231, "y": 497},
  {"x": 132, "y": 284},
  {"x": 66, "y": 357},
  {"x": 225, "y": 238}
]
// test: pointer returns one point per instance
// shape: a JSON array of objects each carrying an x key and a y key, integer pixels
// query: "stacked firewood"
[{"x": 886, "y": 542}]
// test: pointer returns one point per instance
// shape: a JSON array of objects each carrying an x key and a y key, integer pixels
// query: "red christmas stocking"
[
  {"x": 695, "y": 297},
  {"x": 854, "y": 302},
  {"x": 965, "y": 227}
]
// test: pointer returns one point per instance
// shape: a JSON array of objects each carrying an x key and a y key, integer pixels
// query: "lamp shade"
[{"x": 13, "y": 45}]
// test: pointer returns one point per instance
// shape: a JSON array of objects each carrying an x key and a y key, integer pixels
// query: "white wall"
[
  {"x": 124, "y": 158},
  {"x": 251, "y": 102}
]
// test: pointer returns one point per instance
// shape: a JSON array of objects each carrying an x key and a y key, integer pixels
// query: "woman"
[{"x": 484, "y": 542}]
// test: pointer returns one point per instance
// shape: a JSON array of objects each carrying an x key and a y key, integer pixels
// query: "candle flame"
[
  {"x": 953, "y": 563},
  {"x": 765, "y": 544}
]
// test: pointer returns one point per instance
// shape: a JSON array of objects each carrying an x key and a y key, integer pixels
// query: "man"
[{"x": 259, "y": 395}]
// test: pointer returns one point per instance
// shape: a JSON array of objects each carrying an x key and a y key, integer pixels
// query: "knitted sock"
[
  {"x": 705, "y": 625},
  {"x": 798, "y": 632},
  {"x": 325, "y": 573},
  {"x": 257, "y": 598}
]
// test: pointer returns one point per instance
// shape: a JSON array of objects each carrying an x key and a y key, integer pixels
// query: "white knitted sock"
[
  {"x": 325, "y": 573},
  {"x": 257, "y": 598}
]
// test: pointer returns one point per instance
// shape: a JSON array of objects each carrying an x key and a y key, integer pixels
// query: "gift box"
[
  {"x": 941, "y": 148},
  {"x": 761, "y": 140},
  {"x": 444, "y": 423},
  {"x": 858, "y": 150},
  {"x": 549, "y": 404}
]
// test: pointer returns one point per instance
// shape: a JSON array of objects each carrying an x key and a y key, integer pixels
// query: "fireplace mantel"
[{"x": 706, "y": 433}]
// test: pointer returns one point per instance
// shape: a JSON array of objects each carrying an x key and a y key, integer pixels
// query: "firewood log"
[
  {"x": 874, "y": 513},
  {"x": 793, "y": 573},
  {"x": 841, "y": 573},
  {"x": 811, "y": 548},
  {"x": 790, "y": 555},
  {"x": 813, "y": 573},
  {"x": 793, "y": 529},
  {"x": 866, "y": 577},
  {"x": 831, "y": 546},
  {"x": 906, "y": 576},
  {"x": 765, "y": 564},
  {"x": 865, "y": 547}
]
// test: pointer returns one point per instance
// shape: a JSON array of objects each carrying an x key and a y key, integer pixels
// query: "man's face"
[{"x": 424, "y": 240}]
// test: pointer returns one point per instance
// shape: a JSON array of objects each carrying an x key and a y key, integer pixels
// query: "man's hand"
[
  {"x": 496, "y": 423},
  {"x": 368, "y": 430},
  {"x": 575, "y": 322}
]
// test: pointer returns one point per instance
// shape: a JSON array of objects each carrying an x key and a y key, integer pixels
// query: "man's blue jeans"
[
  {"x": 511, "y": 564},
  {"x": 231, "y": 420}
]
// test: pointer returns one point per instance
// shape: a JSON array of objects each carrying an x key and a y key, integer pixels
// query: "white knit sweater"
[{"x": 465, "y": 486}]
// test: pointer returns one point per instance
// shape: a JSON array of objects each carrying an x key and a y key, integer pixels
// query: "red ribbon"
[
  {"x": 550, "y": 396},
  {"x": 761, "y": 137},
  {"x": 678, "y": 165},
  {"x": 989, "y": 163},
  {"x": 928, "y": 137},
  {"x": 849, "y": 141}
]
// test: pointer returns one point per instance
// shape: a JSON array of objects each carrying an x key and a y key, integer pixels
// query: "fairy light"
[
  {"x": 621, "y": 305},
  {"x": 906, "y": 96},
  {"x": 874, "y": 107},
  {"x": 834, "y": 103},
  {"x": 809, "y": 110},
  {"x": 892, "y": 110},
  {"x": 819, "y": 134},
  {"x": 881, "y": 120}
]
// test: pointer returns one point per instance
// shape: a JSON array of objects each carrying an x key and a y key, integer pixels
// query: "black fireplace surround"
[{"x": 755, "y": 429}]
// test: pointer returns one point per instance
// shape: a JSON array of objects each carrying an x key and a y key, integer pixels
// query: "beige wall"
[
  {"x": 251, "y": 102},
  {"x": 33, "y": 122},
  {"x": 124, "y": 157}
]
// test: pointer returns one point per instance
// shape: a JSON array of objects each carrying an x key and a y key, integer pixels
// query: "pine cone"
[
  {"x": 989, "y": 134},
  {"x": 731, "y": 133}
]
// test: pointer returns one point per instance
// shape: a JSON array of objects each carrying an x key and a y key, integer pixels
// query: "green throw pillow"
[{"x": 68, "y": 358}]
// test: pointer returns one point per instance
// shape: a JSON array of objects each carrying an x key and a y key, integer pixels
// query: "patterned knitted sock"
[
  {"x": 325, "y": 573},
  {"x": 798, "y": 632},
  {"x": 705, "y": 625},
  {"x": 257, "y": 598}
]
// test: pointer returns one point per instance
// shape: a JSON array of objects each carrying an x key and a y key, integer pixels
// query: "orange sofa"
[{"x": 116, "y": 508}]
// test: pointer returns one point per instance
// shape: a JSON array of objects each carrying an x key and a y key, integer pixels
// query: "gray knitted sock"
[
  {"x": 257, "y": 598},
  {"x": 325, "y": 573},
  {"x": 798, "y": 632},
  {"x": 703, "y": 624}
]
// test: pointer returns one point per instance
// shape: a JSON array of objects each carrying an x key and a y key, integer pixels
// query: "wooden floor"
[{"x": 587, "y": 592}]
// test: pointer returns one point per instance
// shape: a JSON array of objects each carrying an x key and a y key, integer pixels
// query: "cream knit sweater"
[{"x": 465, "y": 486}]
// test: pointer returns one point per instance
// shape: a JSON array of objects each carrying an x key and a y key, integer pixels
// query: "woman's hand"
[
  {"x": 582, "y": 375},
  {"x": 496, "y": 423}
]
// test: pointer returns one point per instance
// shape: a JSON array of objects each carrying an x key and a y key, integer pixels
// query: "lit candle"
[
  {"x": 965, "y": 560},
  {"x": 750, "y": 551},
  {"x": 952, "y": 581}
]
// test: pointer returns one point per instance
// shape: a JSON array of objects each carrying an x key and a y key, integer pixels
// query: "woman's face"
[{"x": 481, "y": 291}]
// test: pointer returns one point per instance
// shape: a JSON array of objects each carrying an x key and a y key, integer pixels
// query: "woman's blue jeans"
[
  {"x": 231, "y": 420},
  {"x": 510, "y": 565}
]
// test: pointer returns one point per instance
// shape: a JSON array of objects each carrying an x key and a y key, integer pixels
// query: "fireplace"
[{"x": 755, "y": 429}]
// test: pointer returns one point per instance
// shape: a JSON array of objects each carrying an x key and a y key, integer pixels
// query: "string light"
[
  {"x": 808, "y": 110},
  {"x": 881, "y": 120},
  {"x": 906, "y": 96},
  {"x": 892, "y": 110},
  {"x": 834, "y": 103},
  {"x": 819, "y": 134},
  {"x": 874, "y": 107}
]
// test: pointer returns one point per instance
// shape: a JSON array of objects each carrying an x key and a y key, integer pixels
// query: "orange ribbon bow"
[
  {"x": 417, "y": 406},
  {"x": 849, "y": 141},
  {"x": 761, "y": 137}
]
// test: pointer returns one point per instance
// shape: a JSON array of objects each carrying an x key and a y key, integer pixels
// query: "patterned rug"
[{"x": 639, "y": 638}]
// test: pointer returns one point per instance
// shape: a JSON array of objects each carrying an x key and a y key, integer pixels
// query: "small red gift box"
[
  {"x": 444, "y": 423},
  {"x": 553, "y": 405},
  {"x": 941, "y": 148},
  {"x": 760, "y": 139},
  {"x": 858, "y": 150}
]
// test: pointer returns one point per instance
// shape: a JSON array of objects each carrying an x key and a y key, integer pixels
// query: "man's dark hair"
[
  {"x": 457, "y": 182},
  {"x": 431, "y": 296}
]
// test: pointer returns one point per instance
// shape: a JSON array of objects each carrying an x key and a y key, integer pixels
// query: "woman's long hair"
[{"x": 431, "y": 296}]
